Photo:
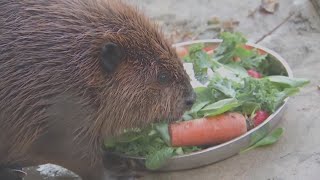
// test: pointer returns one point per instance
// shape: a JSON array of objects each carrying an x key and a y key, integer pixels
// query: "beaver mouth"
[{"x": 171, "y": 117}]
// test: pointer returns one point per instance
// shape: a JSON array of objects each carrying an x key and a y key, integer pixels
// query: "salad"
[{"x": 234, "y": 83}]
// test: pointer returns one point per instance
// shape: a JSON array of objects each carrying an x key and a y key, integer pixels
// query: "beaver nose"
[{"x": 190, "y": 100}]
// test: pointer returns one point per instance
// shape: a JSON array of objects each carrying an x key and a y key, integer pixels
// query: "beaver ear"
[{"x": 111, "y": 56}]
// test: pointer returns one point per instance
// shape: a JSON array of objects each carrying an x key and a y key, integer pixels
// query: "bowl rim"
[{"x": 268, "y": 51}]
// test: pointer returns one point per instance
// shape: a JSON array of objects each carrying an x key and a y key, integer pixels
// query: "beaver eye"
[{"x": 163, "y": 78}]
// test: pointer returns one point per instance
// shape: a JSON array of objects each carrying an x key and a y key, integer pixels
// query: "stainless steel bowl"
[{"x": 230, "y": 148}]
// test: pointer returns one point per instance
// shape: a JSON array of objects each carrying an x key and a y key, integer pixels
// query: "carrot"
[
  {"x": 208, "y": 130},
  {"x": 181, "y": 51}
]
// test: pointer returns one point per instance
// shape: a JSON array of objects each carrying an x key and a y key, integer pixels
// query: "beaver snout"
[{"x": 190, "y": 100}]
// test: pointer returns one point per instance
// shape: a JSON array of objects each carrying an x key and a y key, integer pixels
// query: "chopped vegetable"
[{"x": 208, "y": 131}]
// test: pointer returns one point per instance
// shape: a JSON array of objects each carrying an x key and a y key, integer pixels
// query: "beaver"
[{"x": 75, "y": 72}]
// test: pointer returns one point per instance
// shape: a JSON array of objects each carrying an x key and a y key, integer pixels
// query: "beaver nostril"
[{"x": 190, "y": 100}]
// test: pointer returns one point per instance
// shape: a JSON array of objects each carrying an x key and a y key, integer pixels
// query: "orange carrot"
[
  {"x": 181, "y": 51},
  {"x": 208, "y": 131}
]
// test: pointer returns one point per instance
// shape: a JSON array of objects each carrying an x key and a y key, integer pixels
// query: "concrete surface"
[{"x": 297, "y": 154}]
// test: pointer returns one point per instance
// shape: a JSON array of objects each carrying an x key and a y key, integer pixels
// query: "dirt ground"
[{"x": 297, "y": 154}]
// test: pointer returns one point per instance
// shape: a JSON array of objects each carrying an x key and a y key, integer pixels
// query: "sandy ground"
[{"x": 297, "y": 154}]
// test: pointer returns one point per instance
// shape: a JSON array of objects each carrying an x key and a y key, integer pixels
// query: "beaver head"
[
  {"x": 134, "y": 70},
  {"x": 144, "y": 79}
]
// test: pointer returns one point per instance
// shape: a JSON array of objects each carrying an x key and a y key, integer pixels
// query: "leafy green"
[
  {"x": 159, "y": 158},
  {"x": 272, "y": 138},
  {"x": 152, "y": 142},
  {"x": 219, "y": 107},
  {"x": 287, "y": 81},
  {"x": 249, "y": 107},
  {"x": 232, "y": 45},
  {"x": 260, "y": 91},
  {"x": 137, "y": 143},
  {"x": 201, "y": 62},
  {"x": 203, "y": 94},
  {"x": 237, "y": 70},
  {"x": 163, "y": 132},
  {"x": 179, "y": 151},
  {"x": 186, "y": 116},
  {"x": 225, "y": 86},
  {"x": 255, "y": 61},
  {"x": 258, "y": 135},
  {"x": 197, "y": 107}
]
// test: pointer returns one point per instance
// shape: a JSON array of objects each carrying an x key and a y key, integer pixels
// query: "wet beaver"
[{"x": 73, "y": 72}]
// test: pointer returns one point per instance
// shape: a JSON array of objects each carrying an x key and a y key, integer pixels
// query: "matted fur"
[{"x": 51, "y": 49}]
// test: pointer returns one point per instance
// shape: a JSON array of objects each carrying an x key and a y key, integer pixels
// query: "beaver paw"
[
  {"x": 11, "y": 174},
  {"x": 124, "y": 174},
  {"x": 123, "y": 169}
]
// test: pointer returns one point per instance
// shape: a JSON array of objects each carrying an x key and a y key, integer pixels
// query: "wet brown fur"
[{"x": 55, "y": 96}]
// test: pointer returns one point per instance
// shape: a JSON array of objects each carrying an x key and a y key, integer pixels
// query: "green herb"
[
  {"x": 260, "y": 91},
  {"x": 224, "y": 85}
]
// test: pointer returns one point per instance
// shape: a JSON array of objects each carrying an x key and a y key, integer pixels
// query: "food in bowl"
[{"x": 238, "y": 87}]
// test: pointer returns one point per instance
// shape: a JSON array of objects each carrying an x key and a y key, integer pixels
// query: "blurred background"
[{"x": 289, "y": 27}]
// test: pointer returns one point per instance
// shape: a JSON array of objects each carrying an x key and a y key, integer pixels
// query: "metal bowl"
[{"x": 222, "y": 151}]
